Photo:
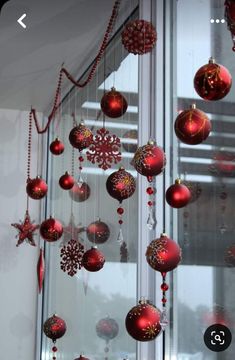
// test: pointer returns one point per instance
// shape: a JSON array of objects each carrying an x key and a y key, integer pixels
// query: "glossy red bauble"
[
  {"x": 149, "y": 160},
  {"x": 178, "y": 195},
  {"x": 107, "y": 328},
  {"x": 66, "y": 181},
  {"x": 51, "y": 230},
  {"x": 36, "y": 188},
  {"x": 113, "y": 104},
  {"x": 54, "y": 327},
  {"x": 56, "y": 147},
  {"x": 80, "y": 137},
  {"x": 143, "y": 321},
  {"x": 212, "y": 81},
  {"x": 192, "y": 126},
  {"x": 98, "y": 232},
  {"x": 120, "y": 185},
  {"x": 93, "y": 259},
  {"x": 130, "y": 135},
  {"x": 163, "y": 254},
  {"x": 80, "y": 192},
  {"x": 139, "y": 37}
]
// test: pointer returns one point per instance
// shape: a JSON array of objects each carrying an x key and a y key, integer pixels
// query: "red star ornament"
[{"x": 26, "y": 230}]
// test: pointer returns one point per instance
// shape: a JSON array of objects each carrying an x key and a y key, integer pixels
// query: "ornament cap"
[
  {"x": 94, "y": 247},
  {"x": 178, "y": 181},
  {"x": 113, "y": 88},
  {"x": 121, "y": 168},
  {"x": 66, "y": 173},
  {"x": 38, "y": 177},
  {"x": 211, "y": 60},
  {"x": 143, "y": 300},
  {"x": 163, "y": 234},
  {"x": 193, "y": 106},
  {"x": 151, "y": 142}
]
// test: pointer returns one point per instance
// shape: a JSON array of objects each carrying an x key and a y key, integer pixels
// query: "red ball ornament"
[
  {"x": 98, "y": 232},
  {"x": 149, "y": 160},
  {"x": 80, "y": 137},
  {"x": 107, "y": 328},
  {"x": 212, "y": 81},
  {"x": 230, "y": 256},
  {"x": 224, "y": 164},
  {"x": 178, "y": 195},
  {"x": 139, "y": 37},
  {"x": 66, "y": 181},
  {"x": 81, "y": 357},
  {"x": 80, "y": 192},
  {"x": 54, "y": 327},
  {"x": 93, "y": 259},
  {"x": 192, "y": 126},
  {"x": 132, "y": 135},
  {"x": 163, "y": 254},
  {"x": 143, "y": 321},
  {"x": 57, "y": 147},
  {"x": 36, "y": 188},
  {"x": 113, "y": 104},
  {"x": 120, "y": 185},
  {"x": 51, "y": 230}
]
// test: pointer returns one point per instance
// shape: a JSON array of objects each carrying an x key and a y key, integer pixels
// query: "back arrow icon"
[{"x": 21, "y": 22}]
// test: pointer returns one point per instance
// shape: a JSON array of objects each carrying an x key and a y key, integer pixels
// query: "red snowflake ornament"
[
  {"x": 104, "y": 149},
  {"x": 71, "y": 257},
  {"x": 26, "y": 230}
]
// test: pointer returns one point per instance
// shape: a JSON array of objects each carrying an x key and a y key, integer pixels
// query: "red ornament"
[
  {"x": 104, "y": 149},
  {"x": 192, "y": 126},
  {"x": 149, "y": 160},
  {"x": 57, "y": 147},
  {"x": 230, "y": 18},
  {"x": 224, "y": 164},
  {"x": 71, "y": 257},
  {"x": 107, "y": 328},
  {"x": 139, "y": 37},
  {"x": 54, "y": 327},
  {"x": 51, "y": 230},
  {"x": 113, "y": 104},
  {"x": 230, "y": 256},
  {"x": 36, "y": 188},
  {"x": 133, "y": 136},
  {"x": 120, "y": 185},
  {"x": 80, "y": 192},
  {"x": 163, "y": 254},
  {"x": 80, "y": 137},
  {"x": 178, "y": 195},
  {"x": 40, "y": 269},
  {"x": 66, "y": 181},
  {"x": 81, "y": 357},
  {"x": 98, "y": 232},
  {"x": 212, "y": 81},
  {"x": 143, "y": 321},
  {"x": 93, "y": 259},
  {"x": 26, "y": 230}
]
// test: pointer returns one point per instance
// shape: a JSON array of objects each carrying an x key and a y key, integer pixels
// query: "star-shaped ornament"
[
  {"x": 71, "y": 231},
  {"x": 26, "y": 230}
]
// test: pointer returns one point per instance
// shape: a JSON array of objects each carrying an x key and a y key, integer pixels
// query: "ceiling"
[{"x": 58, "y": 31}]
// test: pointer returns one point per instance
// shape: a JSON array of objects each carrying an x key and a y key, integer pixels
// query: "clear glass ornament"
[
  {"x": 120, "y": 237},
  {"x": 163, "y": 320},
  {"x": 80, "y": 181},
  {"x": 151, "y": 221}
]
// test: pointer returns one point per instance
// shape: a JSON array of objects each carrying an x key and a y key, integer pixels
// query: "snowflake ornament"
[
  {"x": 104, "y": 149},
  {"x": 26, "y": 229},
  {"x": 71, "y": 257}
]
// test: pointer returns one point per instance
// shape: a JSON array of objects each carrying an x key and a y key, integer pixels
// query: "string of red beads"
[
  {"x": 29, "y": 146},
  {"x": 164, "y": 288}
]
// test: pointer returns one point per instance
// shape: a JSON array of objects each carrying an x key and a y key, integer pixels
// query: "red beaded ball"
[
  {"x": 113, "y": 104},
  {"x": 80, "y": 192},
  {"x": 139, "y": 37},
  {"x": 66, "y": 181},
  {"x": 120, "y": 185},
  {"x": 107, "y": 328},
  {"x": 51, "y": 230},
  {"x": 98, "y": 232},
  {"x": 36, "y": 188},
  {"x": 178, "y": 195},
  {"x": 163, "y": 254},
  {"x": 57, "y": 147},
  {"x": 93, "y": 260},
  {"x": 54, "y": 327},
  {"x": 192, "y": 126},
  {"x": 143, "y": 321},
  {"x": 80, "y": 137},
  {"x": 212, "y": 81}
]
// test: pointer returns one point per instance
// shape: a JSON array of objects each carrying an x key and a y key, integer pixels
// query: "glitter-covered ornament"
[
  {"x": 80, "y": 137},
  {"x": 80, "y": 192},
  {"x": 113, "y": 103},
  {"x": 120, "y": 184},
  {"x": 57, "y": 147},
  {"x": 93, "y": 259},
  {"x": 139, "y": 37},
  {"x": 178, "y": 195},
  {"x": 51, "y": 230},
  {"x": 36, "y": 188},
  {"x": 54, "y": 327},
  {"x": 66, "y": 181},
  {"x": 26, "y": 230},
  {"x": 107, "y": 328},
  {"x": 98, "y": 232}
]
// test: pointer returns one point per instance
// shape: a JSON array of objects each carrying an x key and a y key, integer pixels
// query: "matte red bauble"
[
  {"x": 212, "y": 81},
  {"x": 143, "y": 321},
  {"x": 80, "y": 137},
  {"x": 139, "y": 37},
  {"x": 57, "y": 147},
  {"x": 51, "y": 230},
  {"x": 149, "y": 160},
  {"x": 163, "y": 254},
  {"x": 93, "y": 259},
  {"x": 54, "y": 327},
  {"x": 36, "y": 188},
  {"x": 80, "y": 192},
  {"x": 120, "y": 184},
  {"x": 98, "y": 232},
  {"x": 113, "y": 104},
  {"x": 192, "y": 126},
  {"x": 132, "y": 135},
  {"x": 66, "y": 181},
  {"x": 107, "y": 328},
  {"x": 178, "y": 195}
]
